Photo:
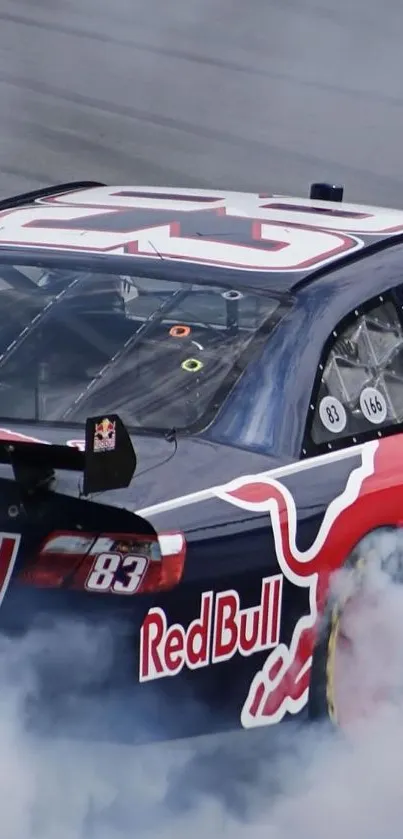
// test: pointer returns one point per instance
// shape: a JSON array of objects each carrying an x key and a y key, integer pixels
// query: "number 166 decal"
[{"x": 117, "y": 573}]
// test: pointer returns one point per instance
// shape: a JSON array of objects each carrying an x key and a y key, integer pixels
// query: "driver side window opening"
[{"x": 358, "y": 392}]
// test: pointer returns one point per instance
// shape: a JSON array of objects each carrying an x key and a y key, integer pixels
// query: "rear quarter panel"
[
  {"x": 296, "y": 524},
  {"x": 231, "y": 645}
]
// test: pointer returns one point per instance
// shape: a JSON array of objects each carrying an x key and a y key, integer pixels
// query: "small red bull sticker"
[{"x": 105, "y": 436}]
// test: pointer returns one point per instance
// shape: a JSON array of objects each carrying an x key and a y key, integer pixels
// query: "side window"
[{"x": 359, "y": 387}]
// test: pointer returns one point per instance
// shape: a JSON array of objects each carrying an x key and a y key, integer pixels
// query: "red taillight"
[
  {"x": 173, "y": 552},
  {"x": 166, "y": 572},
  {"x": 114, "y": 563}
]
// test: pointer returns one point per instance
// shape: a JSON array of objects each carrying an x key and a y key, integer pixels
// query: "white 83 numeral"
[{"x": 109, "y": 566}]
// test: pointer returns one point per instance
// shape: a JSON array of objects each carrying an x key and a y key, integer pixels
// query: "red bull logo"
[
  {"x": 104, "y": 435},
  {"x": 221, "y": 630},
  {"x": 369, "y": 499},
  {"x": 282, "y": 686}
]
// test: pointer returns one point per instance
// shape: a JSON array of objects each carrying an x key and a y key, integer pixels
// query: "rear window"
[{"x": 162, "y": 354}]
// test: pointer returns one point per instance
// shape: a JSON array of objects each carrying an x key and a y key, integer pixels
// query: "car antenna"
[
  {"x": 171, "y": 437},
  {"x": 156, "y": 251}
]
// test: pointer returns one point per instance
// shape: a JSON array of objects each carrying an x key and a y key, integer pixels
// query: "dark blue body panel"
[
  {"x": 228, "y": 548},
  {"x": 268, "y": 409},
  {"x": 259, "y": 428}
]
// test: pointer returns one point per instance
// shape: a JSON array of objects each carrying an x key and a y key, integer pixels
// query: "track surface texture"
[{"x": 245, "y": 94}]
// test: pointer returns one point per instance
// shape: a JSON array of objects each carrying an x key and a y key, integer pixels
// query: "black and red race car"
[{"x": 201, "y": 402}]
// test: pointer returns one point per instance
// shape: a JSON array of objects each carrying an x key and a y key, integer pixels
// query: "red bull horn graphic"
[
  {"x": 105, "y": 436},
  {"x": 371, "y": 498},
  {"x": 282, "y": 686}
]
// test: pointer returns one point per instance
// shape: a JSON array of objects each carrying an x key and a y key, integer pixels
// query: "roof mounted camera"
[{"x": 326, "y": 192}]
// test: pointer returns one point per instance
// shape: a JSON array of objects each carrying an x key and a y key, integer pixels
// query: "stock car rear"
[{"x": 201, "y": 409}]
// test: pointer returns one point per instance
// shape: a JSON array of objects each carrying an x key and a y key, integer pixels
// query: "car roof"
[{"x": 268, "y": 241}]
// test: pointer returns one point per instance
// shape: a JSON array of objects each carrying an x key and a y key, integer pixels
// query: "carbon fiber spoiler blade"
[{"x": 108, "y": 462}]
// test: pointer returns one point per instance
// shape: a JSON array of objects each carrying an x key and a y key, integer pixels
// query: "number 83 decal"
[
  {"x": 332, "y": 414},
  {"x": 117, "y": 573}
]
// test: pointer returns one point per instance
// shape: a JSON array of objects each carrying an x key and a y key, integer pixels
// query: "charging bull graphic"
[
  {"x": 369, "y": 496},
  {"x": 282, "y": 685}
]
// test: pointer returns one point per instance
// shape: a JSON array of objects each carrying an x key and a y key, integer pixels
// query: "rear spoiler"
[{"x": 108, "y": 462}]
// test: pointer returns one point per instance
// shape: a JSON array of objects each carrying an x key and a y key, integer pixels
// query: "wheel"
[{"x": 358, "y": 661}]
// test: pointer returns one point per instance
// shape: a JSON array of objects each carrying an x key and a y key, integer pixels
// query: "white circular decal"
[
  {"x": 332, "y": 414},
  {"x": 373, "y": 405}
]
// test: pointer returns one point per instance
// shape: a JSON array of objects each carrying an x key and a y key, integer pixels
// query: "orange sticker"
[{"x": 179, "y": 331}]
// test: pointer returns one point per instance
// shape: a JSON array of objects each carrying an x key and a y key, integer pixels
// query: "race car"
[{"x": 201, "y": 428}]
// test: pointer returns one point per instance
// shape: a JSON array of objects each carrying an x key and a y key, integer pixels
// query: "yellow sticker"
[{"x": 192, "y": 365}]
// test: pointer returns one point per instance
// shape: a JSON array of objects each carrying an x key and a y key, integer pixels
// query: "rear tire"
[{"x": 358, "y": 660}]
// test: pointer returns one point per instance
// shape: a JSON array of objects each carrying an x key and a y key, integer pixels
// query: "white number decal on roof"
[
  {"x": 273, "y": 233},
  {"x": 272, "y": 247},
  {"x": 345, "y": 218}
]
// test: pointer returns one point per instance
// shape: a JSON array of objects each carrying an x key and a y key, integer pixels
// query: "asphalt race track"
[{"x": 259, "y": 94}]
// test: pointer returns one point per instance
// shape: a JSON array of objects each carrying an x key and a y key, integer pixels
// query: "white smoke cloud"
[{"x": 309, "y": 781}]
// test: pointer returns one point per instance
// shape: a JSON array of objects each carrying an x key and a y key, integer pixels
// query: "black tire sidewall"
[{"x": 320, "y": 702}]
